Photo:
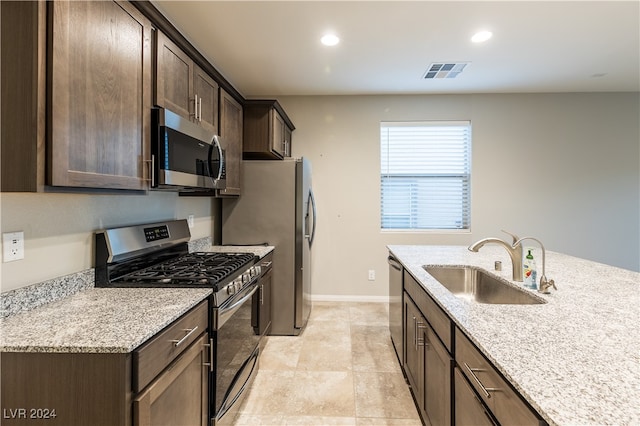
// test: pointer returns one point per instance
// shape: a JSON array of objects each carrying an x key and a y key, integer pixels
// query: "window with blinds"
[{"x": 425, "y": 174}]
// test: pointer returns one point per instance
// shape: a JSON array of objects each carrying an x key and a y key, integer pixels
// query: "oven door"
[{"x": 236, "y": 354}]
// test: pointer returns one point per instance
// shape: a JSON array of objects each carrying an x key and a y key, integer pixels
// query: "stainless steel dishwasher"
[{"x": 395, "y": 306}]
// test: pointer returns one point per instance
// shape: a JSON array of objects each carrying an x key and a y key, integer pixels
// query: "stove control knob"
[{"x": 230, "y": 289}]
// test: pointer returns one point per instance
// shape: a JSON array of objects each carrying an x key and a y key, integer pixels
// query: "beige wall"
[
  {"x": 59, "y": 228},
  {"x": 560, "y": 167}
]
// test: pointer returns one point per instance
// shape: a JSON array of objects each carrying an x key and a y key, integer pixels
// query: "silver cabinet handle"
[
  {"x": 477, "y": 380},
  {"x": 189, "y": 331},
  {"x": 210, "y": 363},
  {"x": 200, "y": 109},
  {"x": 419, "y": 341},
  {"x": 262, "y": 294}
]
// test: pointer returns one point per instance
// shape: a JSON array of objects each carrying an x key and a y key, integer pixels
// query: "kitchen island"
[{"x": 576, "y": 358}]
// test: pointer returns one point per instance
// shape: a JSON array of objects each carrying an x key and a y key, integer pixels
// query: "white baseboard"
[{"x": 339, "y": 298}]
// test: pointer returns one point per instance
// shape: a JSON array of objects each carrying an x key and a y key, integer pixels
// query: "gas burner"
[{"x": 199, "y": 269}]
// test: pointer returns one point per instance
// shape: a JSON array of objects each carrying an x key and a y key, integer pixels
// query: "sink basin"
[{"x": 481, "y": 287}]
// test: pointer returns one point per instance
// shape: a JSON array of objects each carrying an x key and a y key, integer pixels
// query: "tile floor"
[{"x": 342, "y": 370}]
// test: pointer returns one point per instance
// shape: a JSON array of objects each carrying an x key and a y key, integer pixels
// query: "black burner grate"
[{"x": 199, "y": 269}]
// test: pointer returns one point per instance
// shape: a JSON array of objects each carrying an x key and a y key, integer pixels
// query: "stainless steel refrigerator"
[{"x": 276, "y": 206}]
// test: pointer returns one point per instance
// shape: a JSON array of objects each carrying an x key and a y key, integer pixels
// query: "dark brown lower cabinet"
[
  {"x": 179, "y": 395},
  {"x": 163, "y": 382},
  {"x": 261, "y": 303},
  {"x": 66, "y": 389},
  {"x": 427, "y": 366}
]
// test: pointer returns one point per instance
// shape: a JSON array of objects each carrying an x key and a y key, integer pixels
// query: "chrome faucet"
[{"x": 515, "y": 252}]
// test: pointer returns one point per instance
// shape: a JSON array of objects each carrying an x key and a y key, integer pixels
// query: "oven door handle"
[{"x": 224, "y": 313}]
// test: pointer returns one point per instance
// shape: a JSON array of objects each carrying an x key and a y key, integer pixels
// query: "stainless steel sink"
[{"x": 479, "y": 286}]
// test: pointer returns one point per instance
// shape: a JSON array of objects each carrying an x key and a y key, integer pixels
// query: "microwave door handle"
[
  {"x": 215, "y": 142},
  {"x": 221, "y": 157}
]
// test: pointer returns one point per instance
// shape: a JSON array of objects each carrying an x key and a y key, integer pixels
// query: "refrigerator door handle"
[{"x": 312, "y": 203}]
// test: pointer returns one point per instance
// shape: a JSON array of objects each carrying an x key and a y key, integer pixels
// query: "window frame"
[{"x": 464, "y": 177}]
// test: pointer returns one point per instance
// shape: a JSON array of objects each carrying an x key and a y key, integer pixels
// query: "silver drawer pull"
[
  {"x": 189, "y": 331},
  {"x": 473, "y": 374}
]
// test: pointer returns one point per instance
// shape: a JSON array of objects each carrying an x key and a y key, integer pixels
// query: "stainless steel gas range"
[{"x": 157, "y": 255}]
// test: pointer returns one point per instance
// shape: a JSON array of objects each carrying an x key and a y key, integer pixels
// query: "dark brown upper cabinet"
[
  {"x": 100, "y": 95},
  {"x": 183, "y": 87},
  {"x": 267, "y": 131},
  {"x": 231, "y": 130},
  {"x": 79, "y": 116}
]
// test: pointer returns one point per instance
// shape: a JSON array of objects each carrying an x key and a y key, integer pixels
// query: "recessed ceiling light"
[
  {"x": 330, "y": 40},
  {"x": 481, "y": 36}
]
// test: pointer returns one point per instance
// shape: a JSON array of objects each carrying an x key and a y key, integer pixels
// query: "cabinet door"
[
  {"x": 414, "y": 353},
  {"x": 100, "y": 73},
  {"x": 261, "y": 305},
  {"x": 174, "y": 82},
  {"x": 437, "y": 379},
  {"x": 231, "y": 129},
  {"x": 265, "y": 307},
  {"x": 469, "y": 410},
  {"x": 277, "y": 143},
  {"x": 205, "y": 90},
  {"x": 287, "y": 141},
  {"x": 179, "y": 396}
]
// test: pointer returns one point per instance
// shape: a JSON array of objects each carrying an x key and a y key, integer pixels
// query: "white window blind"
[{"x": 425, "y": 175}]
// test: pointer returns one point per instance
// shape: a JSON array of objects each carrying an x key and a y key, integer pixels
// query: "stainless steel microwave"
[{"x": 184, "y": 156}]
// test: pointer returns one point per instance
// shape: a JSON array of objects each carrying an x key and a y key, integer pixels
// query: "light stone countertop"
[
  {"x": 99, "y": 320},
  {"x": 576, "y": 358}
]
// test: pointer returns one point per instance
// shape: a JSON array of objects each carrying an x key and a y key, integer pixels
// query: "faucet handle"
[
  {"x": 545, "y": 285},
  {"x": 514, "y": 236}
]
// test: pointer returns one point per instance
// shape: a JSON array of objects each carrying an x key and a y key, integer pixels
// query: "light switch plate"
[{"x": 12, "y": 246}]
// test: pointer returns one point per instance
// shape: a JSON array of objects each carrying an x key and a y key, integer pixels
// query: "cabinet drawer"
[
  {"x": 153, "y": 356},
  {"x": 436, "y": 317},
  {"x": 469, "y": 410},
  {"x": 503, "y": 401}
]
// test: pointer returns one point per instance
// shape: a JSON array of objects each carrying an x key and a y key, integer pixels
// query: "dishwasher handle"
[{"x": 394, "y": 263}]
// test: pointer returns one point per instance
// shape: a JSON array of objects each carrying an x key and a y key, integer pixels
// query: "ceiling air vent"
[{"x": 445, "y": 70}]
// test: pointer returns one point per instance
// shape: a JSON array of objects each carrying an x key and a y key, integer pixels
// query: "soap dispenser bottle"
[{"x": 530, "y": 271}]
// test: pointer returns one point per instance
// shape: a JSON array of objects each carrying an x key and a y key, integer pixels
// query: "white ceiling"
[{"x": 271, "y": 48}]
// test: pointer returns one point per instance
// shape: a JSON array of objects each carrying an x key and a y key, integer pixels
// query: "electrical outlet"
[
  {"x": 372, "y": 275},
  {"x": 12, "y": 246},
  {"x": 190, "y": 221}
]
